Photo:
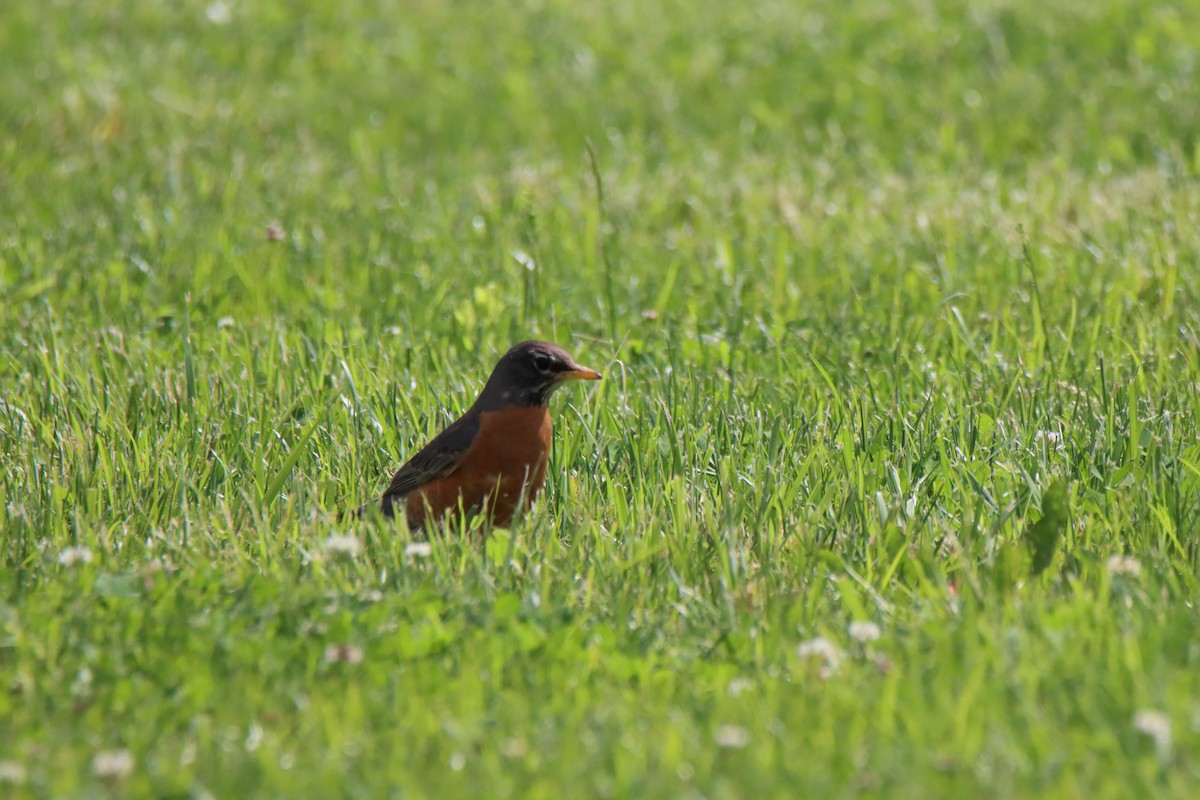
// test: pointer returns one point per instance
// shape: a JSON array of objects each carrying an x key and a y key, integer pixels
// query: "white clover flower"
[
  {"x": 218, "y": 13},
  {"x": 254, "y": 737},
  {"x": 112, "y": 763},
  {"x": 819, "y": 647},
  {"x": 158, "y": 565},
  {"x": 864, "y": 631},
  {"x": 341, "y": 544},
  {"x": 524, "y": 259},
  {"x": 1156, "y": 725},
  {"x": 823, "y": 649},
  {"x": 13, "y": 772},
  {"x": 1052, "y": 439},
  {"x": 83, "y": 682},
  {"x": 1124, "y": 565},
  {"x": 418, "y": 549},
  {"x": 514, "y": 748},
  {"x": 343, "y": 654},
  {"x": 732, "y": 736},
  {"x": 70, "y": 556}
]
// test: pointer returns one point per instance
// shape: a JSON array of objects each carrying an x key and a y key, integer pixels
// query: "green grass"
[{"x": 867, "y": 280}]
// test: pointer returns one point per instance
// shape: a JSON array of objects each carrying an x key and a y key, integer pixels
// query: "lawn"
[{"x": 892, "y": 487}]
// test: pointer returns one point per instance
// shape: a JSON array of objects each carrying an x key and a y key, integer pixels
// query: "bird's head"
[{"x": 529, "y": 373}]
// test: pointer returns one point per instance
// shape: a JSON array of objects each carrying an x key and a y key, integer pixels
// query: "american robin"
[{"x": 492, "y": 458}]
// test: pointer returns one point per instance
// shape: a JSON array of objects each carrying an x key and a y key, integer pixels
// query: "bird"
[{"x": 492, "y": 459}]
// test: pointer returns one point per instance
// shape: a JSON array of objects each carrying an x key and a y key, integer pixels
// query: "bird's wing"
[{"x": 435, "y": 460}]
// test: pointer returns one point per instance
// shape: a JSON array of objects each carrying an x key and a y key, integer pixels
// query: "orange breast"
[{"x": 502, "y": 471}]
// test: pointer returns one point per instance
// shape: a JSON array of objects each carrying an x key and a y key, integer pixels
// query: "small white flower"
[
  {"x": 1052, "y": 439},
  {"x": 83, "y": 683},
  {"x": 823, "y": 649},
  {"x": 864, "y": 631},
  {"x": 457, "y": 762},
  {"x": 343, "y": 545},
  {"x": 732, "y": 736},
  {"x": 514, "y": 748},
  {"x": 254, "y": 737},
  {"x": 158, "y": 565},
  {"x": 226, "y": 322},
  {"x": 343, "y": 654},
  {"x": 418, "y": 549},
  {"x": 112, "y": 763},
  {"x": 70, "y": 556},
  {"x": 1124, "y": 565},
  {"x": 738, "y": 685},
  {"x": 524, "y": 259},
  {"x": 1156, "y": 725},
  {"x": 218, "y": 13},
  {"x": 819, "y": 647},
  {"x": 13, "y": 772}
]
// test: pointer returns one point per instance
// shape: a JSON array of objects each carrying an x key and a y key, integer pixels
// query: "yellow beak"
[{"x": 580, "y": 374}]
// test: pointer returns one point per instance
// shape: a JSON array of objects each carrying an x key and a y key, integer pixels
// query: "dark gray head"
[{"x": 529, "y": 373}]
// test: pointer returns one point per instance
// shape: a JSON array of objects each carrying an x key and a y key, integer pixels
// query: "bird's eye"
[{"x": 542, "y": 362}]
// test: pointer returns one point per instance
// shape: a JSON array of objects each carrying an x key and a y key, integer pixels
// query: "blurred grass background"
[{"x": 866, "y": 277}]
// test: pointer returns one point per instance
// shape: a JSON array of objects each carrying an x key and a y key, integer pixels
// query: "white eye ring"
[{"x": 541, "y": 362}]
